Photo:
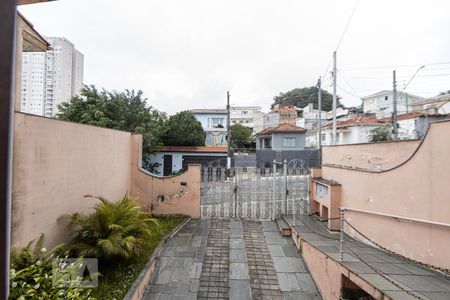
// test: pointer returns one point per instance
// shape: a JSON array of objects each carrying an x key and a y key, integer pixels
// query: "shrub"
[
  {"x": 380, "y": 134},
  {"x": 115, "y": 231},
  {"x": 29, "y": 255},
  {"x": 31, "y": 275}
]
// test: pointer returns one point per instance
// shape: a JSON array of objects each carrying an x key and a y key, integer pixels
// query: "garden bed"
[{"x": 116, "y": 279}]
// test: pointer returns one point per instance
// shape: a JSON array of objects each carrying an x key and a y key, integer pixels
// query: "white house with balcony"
[
  {"x": 382, "y": 103},
  {"x": 214, "y": 123},
  {"x": 244, "y": 115}
]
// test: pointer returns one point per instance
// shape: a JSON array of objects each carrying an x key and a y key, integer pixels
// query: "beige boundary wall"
[
  {"x": 56, "y": 163},
  {"x": 417, "y": 186},
  {"x": 165, "y": 195}
]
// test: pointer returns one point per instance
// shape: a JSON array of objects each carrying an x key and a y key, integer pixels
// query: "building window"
[
  {"x": 244, "y": 112},
  {"x": 289, "y": 142},
  {"x": 323, "y": 137},
  {"x": 386, "y": 98},
  {"x": 217, "y": 121}
]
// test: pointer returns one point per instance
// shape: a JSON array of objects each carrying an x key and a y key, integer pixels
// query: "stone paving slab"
[
  {"x": 177, "y": 271},
  {"x": 367, "y": 262},
  {"x": 231, "y": 259},
  {"x": 292, "y": 274}
]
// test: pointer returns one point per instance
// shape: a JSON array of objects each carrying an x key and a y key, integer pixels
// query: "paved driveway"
[{"x": 223, "y": 259}]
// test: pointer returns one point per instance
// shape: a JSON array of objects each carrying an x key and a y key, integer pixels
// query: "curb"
[{"x": 137, "y": 289}]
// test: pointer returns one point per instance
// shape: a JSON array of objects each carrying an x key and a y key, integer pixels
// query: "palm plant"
[
  {"x": 21, "y": 258},
  {"x": 116, "y": 230}
]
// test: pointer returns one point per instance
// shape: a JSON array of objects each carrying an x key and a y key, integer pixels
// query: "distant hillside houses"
[{"x": 354, "y": 124}]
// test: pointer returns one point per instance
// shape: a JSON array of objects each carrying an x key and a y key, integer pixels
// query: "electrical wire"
[
  {"x": 347, "y": 25},
  {"x": 395, "y": 66}
]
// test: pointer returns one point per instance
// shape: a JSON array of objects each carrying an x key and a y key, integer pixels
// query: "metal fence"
[{"x": 255, "y": 193}]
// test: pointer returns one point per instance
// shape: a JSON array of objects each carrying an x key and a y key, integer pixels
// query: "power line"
[
  {"x": 348, "y": 83},
  {"x": 348, "y": 92},
  {"x": 341, "y": 38},
  {"x": 396, "y": 66},
  {"x": 347, "y": 25}
]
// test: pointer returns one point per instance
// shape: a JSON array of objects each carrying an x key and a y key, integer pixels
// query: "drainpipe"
[{"x": 7, "y": 76}]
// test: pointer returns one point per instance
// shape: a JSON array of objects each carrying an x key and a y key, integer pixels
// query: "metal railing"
[{"x": 396, "y": 217}]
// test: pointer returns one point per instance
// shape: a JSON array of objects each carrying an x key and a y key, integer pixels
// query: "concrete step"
[{"x": 284, "y": 227}]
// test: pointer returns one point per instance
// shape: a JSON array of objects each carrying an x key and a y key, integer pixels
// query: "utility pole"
[
  {"x": 319, "y": 106},
  {"x": 228, "y": 135},
  {"x": 334, "y": 97},
  {"x": 394, "y": 111}
]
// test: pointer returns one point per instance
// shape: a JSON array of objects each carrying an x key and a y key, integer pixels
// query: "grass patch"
[{"x": 117, "y": 278}]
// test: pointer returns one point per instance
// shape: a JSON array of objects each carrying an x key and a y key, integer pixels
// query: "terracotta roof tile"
[
  {"x": 281, "y": 128},
  {"x": 196, "y": 149},
  {"x": 360, "y": 120}
]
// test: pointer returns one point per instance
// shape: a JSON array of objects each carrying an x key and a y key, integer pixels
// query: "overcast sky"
[{"x": 187, "y": 54}]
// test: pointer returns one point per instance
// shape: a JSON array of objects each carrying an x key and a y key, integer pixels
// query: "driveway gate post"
[
  {"x": 285, "y": 194},
  {"x": 274, "y": 187}
]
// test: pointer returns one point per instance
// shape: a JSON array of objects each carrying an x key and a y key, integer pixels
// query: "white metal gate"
[{"x": 255, "y": 193}]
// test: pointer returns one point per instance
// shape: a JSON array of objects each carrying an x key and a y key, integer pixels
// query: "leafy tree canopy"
[
  {"x": 183, "y": 129},
  {"x": 301, "y": 97},
  {"x": 240, "y": 136},
  {"x": 126, "y": 110}
]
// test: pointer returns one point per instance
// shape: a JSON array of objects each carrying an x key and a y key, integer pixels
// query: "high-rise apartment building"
[{"x": 50, "y": 78}]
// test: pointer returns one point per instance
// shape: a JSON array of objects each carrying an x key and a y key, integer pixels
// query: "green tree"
[
  {"x": 240, "y": 136},
  {"x": 126, "y": 110},
  {"x": 380, "y": 134},
  {"x": 183, "y": 129},
  {"x": 301, "y": 97}
]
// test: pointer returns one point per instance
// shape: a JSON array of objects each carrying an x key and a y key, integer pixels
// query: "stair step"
[{"x": 284, "y": 227}]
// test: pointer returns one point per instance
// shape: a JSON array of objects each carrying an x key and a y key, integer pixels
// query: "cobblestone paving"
[
  {"x": 214, "y": 283},
  {"x": 263, "y": 277}
]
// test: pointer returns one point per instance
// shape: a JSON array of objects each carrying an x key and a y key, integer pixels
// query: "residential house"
[
  {"x": 282, "y": 114},
  {"x": 244, "y": 115},
  {"x": 354, "y": 130},
  {"x": 435, "y": 105},
  {"x": 414, "y": 125},
  {"x": 382, "y": 103},
  {"x": 283, "y": 142},
  {"x": 214, "y": 123},
  {"x": 171, "y": 159},
  {"x": 309, "y": 116}
]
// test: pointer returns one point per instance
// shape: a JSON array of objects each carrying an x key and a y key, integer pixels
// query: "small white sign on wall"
[{"x": 321, "y": 190}]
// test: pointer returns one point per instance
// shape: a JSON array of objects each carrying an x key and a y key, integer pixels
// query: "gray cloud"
[{"x": 186, "y": 54}]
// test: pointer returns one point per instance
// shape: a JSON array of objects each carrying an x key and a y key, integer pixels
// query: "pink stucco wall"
[
  {"x": 372, "y": 156},
  {"x": 169, "y": 195},
  {"x": 418, "y": 188},
  {"x": 55, "y": 163}
]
